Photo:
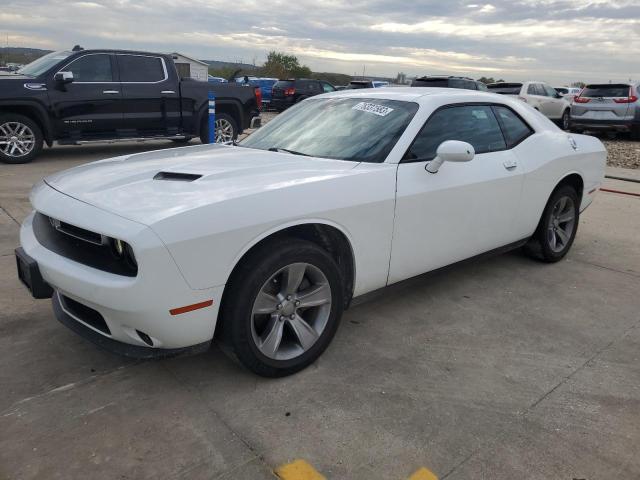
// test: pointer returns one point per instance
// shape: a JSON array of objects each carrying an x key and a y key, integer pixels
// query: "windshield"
[
  {"x": 356, "y": 129},
  {"x": 41, "y": 65}
]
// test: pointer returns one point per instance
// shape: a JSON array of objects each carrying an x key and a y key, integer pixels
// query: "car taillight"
[
  {"x": 580, "y": 99},
  {"x": 630, "y": 99},
  {"x": 290, "y": 91},
  {"x": 258, "y": 97}
]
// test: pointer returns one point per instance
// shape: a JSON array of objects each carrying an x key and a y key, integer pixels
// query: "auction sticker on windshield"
[{"x": 379, "y": 110}]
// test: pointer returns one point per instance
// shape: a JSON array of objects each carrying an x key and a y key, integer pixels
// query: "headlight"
[{"x": 123, "y": 251}]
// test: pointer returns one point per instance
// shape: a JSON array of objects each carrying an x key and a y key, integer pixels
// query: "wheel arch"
[
  {"x": 229, "y": 107},
  {"x": 573, "y": 179},
  {"x": 328, "y": 235},
  {"x": 33, "y": 111}
]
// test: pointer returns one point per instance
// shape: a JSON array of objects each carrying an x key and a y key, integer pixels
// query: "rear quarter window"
[{"x": 515, "y": 130}]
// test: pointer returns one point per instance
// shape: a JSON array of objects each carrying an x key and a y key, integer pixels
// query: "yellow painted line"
[
  {"x": 423, "y": 474},
  {"x": 298, "y": 470}
]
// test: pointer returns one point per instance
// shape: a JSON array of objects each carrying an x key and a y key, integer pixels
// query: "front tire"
[
  {"x": 20, "y": 139},
  {"x": 283, "y": 307},
  {"x": 557, "y": 228}
]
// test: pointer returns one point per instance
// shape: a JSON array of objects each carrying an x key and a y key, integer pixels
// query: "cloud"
[{"x": 555, "y": 40}]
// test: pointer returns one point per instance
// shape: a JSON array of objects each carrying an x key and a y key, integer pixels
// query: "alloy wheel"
[
  {"x": 16, "y": 139},
  {"x": 565, "y": 121},
  {"x": 561, "y": 224},
  {"x": 224, "y": 131},
  {"x": 291, "y": 311}
]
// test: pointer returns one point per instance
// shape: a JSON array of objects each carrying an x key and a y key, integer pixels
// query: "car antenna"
[{"x": 77, "y": 48}]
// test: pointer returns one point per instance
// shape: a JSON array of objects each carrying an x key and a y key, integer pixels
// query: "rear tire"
[
  {"x": 20, "y": 139},
  {"x": 302, "y": 331},
  {"x": 226, "y": 129},
  {"x": 557, "y": 227},
  {"x": 565, "y": 120}
]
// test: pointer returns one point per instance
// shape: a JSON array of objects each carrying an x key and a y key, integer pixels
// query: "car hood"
[{"x": 149, "y": 187}]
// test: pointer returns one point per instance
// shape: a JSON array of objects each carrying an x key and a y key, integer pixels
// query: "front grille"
[
  {"x": 80, "y": 245},
  {"x": 77, "y": 232},
  {"x": 85, "y": 314}
]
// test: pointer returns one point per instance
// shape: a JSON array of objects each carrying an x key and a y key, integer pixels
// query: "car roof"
[{"x": 420, "y": 95}]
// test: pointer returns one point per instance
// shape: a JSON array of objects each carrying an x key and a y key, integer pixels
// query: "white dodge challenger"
[{"x": 264, "y": 244}]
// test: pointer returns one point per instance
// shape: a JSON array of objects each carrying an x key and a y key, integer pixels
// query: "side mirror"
[
  {"x": 63, "y": 77},
  {"x": 451, "y": 151}
]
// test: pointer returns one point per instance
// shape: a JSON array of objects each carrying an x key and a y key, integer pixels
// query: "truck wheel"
[
  {"x": 20, "y": 138},
  {"x": 226, "y": 129}
]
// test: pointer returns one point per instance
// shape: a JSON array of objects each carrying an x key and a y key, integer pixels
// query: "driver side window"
[
  {"x": 91, "y": 68},
  {"x": 474, "y": 124}
]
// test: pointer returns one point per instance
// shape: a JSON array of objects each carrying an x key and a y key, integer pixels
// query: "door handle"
[
  {"x": 167, "y": 92},
  {"x": 110, "y": 92},
  {"x": 510, "y": 164}
]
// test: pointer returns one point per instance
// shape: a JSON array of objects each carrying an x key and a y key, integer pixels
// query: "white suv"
[{"x": 540, "y": 96}]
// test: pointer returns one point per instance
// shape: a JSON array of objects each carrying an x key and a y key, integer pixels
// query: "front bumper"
[
  {"x": 114, "y": 346},
  {"x": 129, "y": 305}
]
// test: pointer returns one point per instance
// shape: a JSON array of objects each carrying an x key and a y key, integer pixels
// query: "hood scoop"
[{"x": 176, "y": 176}]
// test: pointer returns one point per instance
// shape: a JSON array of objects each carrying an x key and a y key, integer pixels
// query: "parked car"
[
  {"x": 285, "y": 93},
  {"x": 264, "y": 83},
  {"x": 356, "y": 84},
  {"x": 156, "y": 253},
  {"x": 79, "y": 96},
  {"x": 568, "y": 92},
  {"x": 607, "y": 107},
  {"x": 540, "y": 96},
  {"x": 448, "y": 82},
  {"x": 213, "y": 79}
]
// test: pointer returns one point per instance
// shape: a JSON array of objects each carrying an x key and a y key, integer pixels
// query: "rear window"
[
  {"x": 283, "y": 84},
  {"x": 606, "y": 90},
  {"x": 356, "y": 85},
  {"x": 505, "y": 88},
  {"x": 430, "y": 82}
]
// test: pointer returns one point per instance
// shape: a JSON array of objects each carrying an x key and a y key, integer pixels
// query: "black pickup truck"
[{"x": 79, "y": 96}]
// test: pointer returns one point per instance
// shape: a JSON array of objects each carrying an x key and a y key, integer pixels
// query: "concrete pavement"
[{"x": 499, "y": 369}]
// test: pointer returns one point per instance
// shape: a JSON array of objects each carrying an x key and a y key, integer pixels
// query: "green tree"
[{"x": 281, "y": 65}]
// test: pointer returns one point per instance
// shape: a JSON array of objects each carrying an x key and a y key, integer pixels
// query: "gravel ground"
[{"x": 622, "y": 153}]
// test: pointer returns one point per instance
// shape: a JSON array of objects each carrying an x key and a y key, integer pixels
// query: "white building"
[{"x": 189, "y": 67}]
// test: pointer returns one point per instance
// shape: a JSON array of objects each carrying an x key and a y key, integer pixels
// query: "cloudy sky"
[{"x": 554, "y": 40}]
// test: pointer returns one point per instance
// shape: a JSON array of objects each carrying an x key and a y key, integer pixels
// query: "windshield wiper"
[{"x": 278, "y": 149}]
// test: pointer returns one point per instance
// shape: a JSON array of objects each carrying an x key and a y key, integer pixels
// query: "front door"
[
  {"x": 90, "y": 106},
  {"x": 150, "y": 96},
  {"x": 465, "y": 208}
]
